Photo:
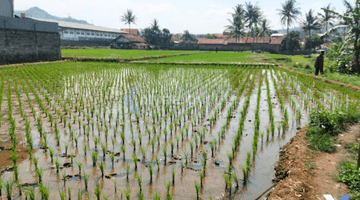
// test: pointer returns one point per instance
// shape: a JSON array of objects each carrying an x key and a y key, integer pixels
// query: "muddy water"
[{"x": 214, "y": 185}]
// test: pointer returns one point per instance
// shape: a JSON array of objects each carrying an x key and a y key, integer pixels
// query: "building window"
[
  {"x": 92, "y": 34},
  {"x": 71, "y": 32},
  {"x": 82, "y": 33},
  {"x": 87, "y": 33},
  {"x": 66, "y": 32},
  {"x": 100, "y": 34},
  {"x": 97, "y": 34},
  {"x": 78, "y": 33}
]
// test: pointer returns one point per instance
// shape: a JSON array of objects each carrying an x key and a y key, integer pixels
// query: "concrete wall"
[
  {"x": 7, "y": 8},
  {"x": 17, "y": 46},
  {"x": 28, "y": 24},
  {"x": 86, "y": 43}
]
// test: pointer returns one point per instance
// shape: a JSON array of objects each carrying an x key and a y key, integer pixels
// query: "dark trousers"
[{"x": 319, "y": 69}]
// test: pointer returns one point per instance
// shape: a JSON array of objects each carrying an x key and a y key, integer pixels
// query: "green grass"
[
  {"x": 213, "y": 57},
  {"x": 116, "y": 53},
  {"x": 306, "y": 65}
]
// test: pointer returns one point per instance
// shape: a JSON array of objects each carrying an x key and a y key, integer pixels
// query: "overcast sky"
[{"x": 197, "y": 16}]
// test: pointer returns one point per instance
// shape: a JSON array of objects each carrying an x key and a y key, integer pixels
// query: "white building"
[{"x": 79, "y": 32}]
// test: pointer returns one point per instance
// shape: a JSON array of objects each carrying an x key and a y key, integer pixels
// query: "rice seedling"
[
  {"x": 94, "y": 156},
  {"x": 127, "y": 171},
  {"x": 127, "y": 193},
  {"x": 101, "y": 166},
  {"x": 168, "y": 194},
  {"x": 8, "y": 189},
  {"x": 165, "y": 153},
  {"x": 62, "y": 195},
  {"x": 135, "y": 159},
  {"x": 202, "y": 175},
  {"x": 69, "y": 193},
  {"x": 197, "y": 189},
  {"x": 44, "y": 191},
  {"x": 157, "y": 162},
  {"x": 173, "y": 175},
  {"x": 123, "y": 149},
  {"x": 156, "y": 196},
  {"x": 39, "y": 173},
  {"x": 86, "y": 181},
  {"x": 97, "y": 191}
]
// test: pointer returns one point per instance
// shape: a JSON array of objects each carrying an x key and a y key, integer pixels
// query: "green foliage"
[
  {"x": 350, "y": 175},
  {"x": 325, "y": 125},
  {"x": 211, "y": 36},
  {"x": 294, "y": 41},
  {"x": 313, "y": 41}
]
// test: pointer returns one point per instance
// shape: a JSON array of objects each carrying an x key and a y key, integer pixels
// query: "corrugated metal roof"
[{"x": 82, "y": 26}]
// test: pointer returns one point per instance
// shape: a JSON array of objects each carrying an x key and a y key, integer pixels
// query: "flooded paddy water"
[{"x": 109, "y": 125}]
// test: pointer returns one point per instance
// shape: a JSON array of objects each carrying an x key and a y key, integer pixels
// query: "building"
[
  {"x": 133, "y": 31},
  {"x": 26, "y": 40},
  {"x": 241, "y": 44},
  {"x": 7, "y": 8},
  {"x": 75, "y": 34},
  {"x": 127, "y": 41}
]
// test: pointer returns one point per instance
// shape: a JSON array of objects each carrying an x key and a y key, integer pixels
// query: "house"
[
  {"x": 127, "y": 41},
  {"x": 133, "y": 31},
  {"x": 211, "y": 44},
  {"x": 175, "y": 39}
]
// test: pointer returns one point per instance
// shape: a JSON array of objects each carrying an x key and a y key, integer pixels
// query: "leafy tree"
[
  {"x": 289, "y": 14},
  {"x": 265, "y": 28},
  {"x": 211, "y": 36},
  {"x": 128, "y": 18},
  {"x": 154, "y": 36},
  {"x": 313, "y": 41},
  {"x": 293, "y": 40},
  {"x": 188, "y": 38},
  {"x": 351, "y": 21}
]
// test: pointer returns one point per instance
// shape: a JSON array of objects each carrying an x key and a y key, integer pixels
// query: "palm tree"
[
  {"x": 351, "y": 21},
  {"x": 265, "y": 28},
  {"x": 310, "y": 23},
  {"x": 236, "y": 23},
  {"x": 236, "y": 28},
  {"x": 327, "y": 18},
  {"x": 129, "y": 17},
  {"x": 289, "y": 14},
  {"x": 252, "y": 15}
]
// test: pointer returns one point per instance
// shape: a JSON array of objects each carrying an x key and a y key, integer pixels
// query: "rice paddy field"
[
  {"x": 97, "y": 130},
  {"x": 116, "y": 53},
  {"x": 213, "y": 57}
]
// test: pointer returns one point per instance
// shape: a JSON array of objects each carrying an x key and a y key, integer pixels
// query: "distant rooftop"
[
  {"x": 133, "y": 31},
  {"x": 81, "y": 26}
]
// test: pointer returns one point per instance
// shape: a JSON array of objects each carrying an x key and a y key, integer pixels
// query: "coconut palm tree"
[
  {"x": 236, "y": 28},
  {"x": 327, "y": 18},
  {"x": 253, "y": 15},
  {"x": 129, "y": 18},
  {"x": 289, "y": 14},
  {"x": 311, "y": 22},
  {"x": 265, "y": 28}
]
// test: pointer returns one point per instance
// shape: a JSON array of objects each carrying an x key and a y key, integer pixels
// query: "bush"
[
  {"x": 324, "y": 126},
  {"x": 350, "y": 175}
]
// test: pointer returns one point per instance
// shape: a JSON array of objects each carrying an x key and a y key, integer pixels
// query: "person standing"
[{"x": 319, "y": 63}]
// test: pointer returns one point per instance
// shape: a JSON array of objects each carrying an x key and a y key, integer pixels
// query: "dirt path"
[{"x": 305, "y": 173}]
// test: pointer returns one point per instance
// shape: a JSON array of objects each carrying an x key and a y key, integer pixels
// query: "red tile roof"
[
  {"x": 276, "y": 40},
  {"x": 173, "y": 38},
  {"x": 134, "y": 38},
  {"x": 210, "y": 41},
  {"x": 235, "y": 41},
  {"x": 329, "y": 44},
  {"x": 141, "y": 44},
  {"x": 133, "y": 31},
  {"x": 220, "y": 36}
]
